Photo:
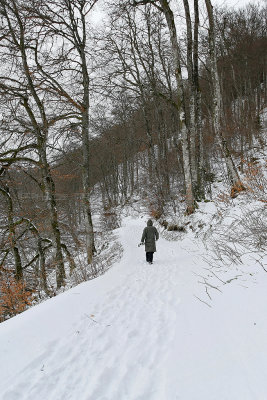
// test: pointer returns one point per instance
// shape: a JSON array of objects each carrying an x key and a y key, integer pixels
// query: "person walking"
[{"x": 149, "y": 237}]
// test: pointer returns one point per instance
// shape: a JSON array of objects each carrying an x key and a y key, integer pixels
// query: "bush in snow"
[{"x": 14, "y": 297}]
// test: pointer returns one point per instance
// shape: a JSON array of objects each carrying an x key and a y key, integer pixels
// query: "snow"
[{"x": 142, "y": 332}]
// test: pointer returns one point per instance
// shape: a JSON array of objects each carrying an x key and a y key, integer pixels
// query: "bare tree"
[
  {"x": 68, "y": 21},
  {"x": 183, "y": 124},
  {"x": 17, "y": 39},
  {"x": 218, "y": 102}
]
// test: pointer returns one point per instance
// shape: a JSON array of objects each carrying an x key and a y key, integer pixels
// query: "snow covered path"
[{"x": 138, "y": 333}]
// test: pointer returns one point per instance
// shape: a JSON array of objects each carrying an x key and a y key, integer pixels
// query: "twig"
[
  {"x": 203, "y": 301},
  {"x": 258, "y": 261},
  {"x": 208, "y": 293}
]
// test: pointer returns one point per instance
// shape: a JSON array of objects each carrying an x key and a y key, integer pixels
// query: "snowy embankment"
[{"x": 141, "y": 332}]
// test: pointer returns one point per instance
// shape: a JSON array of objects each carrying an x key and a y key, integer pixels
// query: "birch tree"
[
  {"x": 163, "y": 6},
  {"x": 237, "y": 185}
]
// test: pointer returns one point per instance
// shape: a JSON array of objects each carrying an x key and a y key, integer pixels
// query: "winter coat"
[{"x": 150, "y": 235}]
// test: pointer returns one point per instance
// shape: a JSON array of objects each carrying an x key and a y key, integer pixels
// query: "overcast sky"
[
  {"x": 236, "y": 3},
  {"x": 99, "y": 12},
  {"x": 98, "y": 16}
]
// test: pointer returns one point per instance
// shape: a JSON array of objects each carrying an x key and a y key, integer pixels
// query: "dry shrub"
[
  {"x": 224, "y": 198},
  {"x": 164, "y": 223},
  {"x": 247, "y": 233},
  {"x": 155, "y": 213},
  {"x": 190, "y": 210},
  {"x": 14, "y": 297},
  {"x": 236, "y": 189},
  {"x": 256, "y": 182},
  {"x": 176, "y": 228}
]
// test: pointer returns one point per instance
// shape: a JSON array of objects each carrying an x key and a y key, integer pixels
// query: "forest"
[{"x": 152, "y": 102}]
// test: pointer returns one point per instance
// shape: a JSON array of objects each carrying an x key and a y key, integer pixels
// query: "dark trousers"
[{"x": 149, "y": 256}]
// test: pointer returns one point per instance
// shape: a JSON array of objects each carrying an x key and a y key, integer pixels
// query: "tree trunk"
[
  {"x": 12, "y": 235},
  {"x": 200, "y": 192},
  {"x": 190, "y": 116},
  {"x": 217, "y": 105},
  {"x": 180, "y": 103},
  {"x": 90, "y": 244},
  {"x": 18, "y": 36}
]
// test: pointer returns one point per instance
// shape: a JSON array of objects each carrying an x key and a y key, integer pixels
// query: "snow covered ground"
[{"x": 142, "y": 332}]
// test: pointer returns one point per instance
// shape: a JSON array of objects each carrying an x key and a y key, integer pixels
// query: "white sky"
[
  {"x": 99, "y": 9},
  {"x": 236, "y": 3}
]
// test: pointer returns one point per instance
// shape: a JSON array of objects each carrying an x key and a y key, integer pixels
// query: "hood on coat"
[{"x": 149, "y": 222}]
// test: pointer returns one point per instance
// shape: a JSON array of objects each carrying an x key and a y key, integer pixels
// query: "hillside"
[{"x": 156, "y": 111}]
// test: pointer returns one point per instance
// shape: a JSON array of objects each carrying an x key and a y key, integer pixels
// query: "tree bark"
[
  {"x": 217, "y": 105},
  {"x": 180, "y": 106},
  {"x": 197, "y": 105},
  {"x": 79, "y": 37},
  {"x": 12, "y": 236}
]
